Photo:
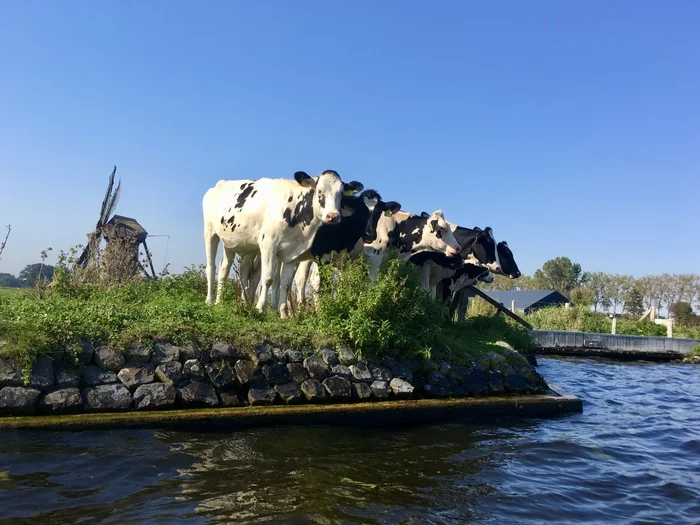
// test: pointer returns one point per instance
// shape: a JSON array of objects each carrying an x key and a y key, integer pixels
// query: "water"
[{"x": 633, "y": 456}]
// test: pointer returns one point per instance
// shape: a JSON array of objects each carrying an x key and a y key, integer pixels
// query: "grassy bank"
[{"x": 391, "y": 316}]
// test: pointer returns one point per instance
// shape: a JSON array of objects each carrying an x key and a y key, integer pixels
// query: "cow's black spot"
[
  {"x": 322, "y": 200},
  {"x": 222, "y": 219},
  {"x": 243, "y": 196},
  {"x": 406, "y": 234},
  {"x": 303, "y": 211},
  {"x": 289, "y": 199},
  {"x": 253, "y": 194},
  {"x": 434, "y": 227},
  {"x": 245, "y": 185}
]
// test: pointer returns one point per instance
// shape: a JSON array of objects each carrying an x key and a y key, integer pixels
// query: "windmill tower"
[{"x": 119, "y": 229}]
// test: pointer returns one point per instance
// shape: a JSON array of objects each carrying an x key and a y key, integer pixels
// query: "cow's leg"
[
  {"x": 286, "y": 276},
  {"x": 275, "y": 288},
  {"x": 462, "y": 307},
  {"x": 374, "y": 264},
  {"x": 315, "y": 281},
  {"x": 211, "y": 246},
  {"x": 224, "y": 270},
  {"x": 246, "y": 265},
  {"x": 300, "y": 277},
  {"x": 425, "y": 277},
  {"x": 268, "y": 254}
]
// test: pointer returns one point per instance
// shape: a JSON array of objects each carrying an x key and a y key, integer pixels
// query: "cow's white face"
[
  {"x": 327, "y": 195},
  {"x": 439, "y": 235}
]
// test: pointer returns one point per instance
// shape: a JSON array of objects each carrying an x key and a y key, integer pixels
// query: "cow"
[
  {"x": 478, "y": 248},
  {"x": 508, "y": 265},
  {"x": 278, "y": 218},
  {"x": 410, "y": 234},
  {"x": 348, "y": 237}
]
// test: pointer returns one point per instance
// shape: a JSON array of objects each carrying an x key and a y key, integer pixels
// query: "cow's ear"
[
  {"x": 391, "y": 207},
  {"x": 424, "y": 214},
  {"x": 352, "y": 187},
  {"x": 305, "y": 179}
]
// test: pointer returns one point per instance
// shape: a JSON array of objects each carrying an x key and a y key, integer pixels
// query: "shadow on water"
[{"x": 631, "y": 457}]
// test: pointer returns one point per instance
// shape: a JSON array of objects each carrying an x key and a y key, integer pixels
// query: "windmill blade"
[
  {"x": 105, "y": 201},
  {"x": 113, "y": 201}
]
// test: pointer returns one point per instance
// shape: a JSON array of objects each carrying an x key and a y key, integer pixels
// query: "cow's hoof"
[{"x": 283, "y": 311}]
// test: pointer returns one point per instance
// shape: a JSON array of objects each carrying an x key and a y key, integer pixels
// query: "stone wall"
[{"x": 166, "y": 376}]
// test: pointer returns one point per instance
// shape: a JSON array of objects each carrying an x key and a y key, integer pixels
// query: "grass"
[{"x": 391, "y": 316}]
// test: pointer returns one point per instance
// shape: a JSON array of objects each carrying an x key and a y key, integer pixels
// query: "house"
[{"x": 528, "y": 300}]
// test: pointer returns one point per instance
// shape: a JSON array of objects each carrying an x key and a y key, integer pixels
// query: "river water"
[{"x": 633, "y": 456}]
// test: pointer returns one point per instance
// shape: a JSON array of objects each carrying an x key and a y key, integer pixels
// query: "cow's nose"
[
  {"x": 515, "y": 275},
  {"x": 451, "y": 252},
  {"x": 332, "y": 217}
]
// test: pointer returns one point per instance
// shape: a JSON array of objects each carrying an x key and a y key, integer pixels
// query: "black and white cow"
[
  {"x": 410, "y": 234},
  {"x": 348, "y": 237},
  {"x": 508, "y": 265},
  {"x": 278, "y": 218},
  {"x": 478, "y": 248}
]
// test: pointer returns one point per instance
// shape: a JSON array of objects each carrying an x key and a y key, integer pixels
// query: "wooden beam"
[{"x": 500, "y": 307}]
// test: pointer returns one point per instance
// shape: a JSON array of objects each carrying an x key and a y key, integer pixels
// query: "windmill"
[{"x": 118, "y": 227}]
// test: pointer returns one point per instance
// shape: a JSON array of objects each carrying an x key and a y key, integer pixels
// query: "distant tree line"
[
  {"x": 28, "y": 276},
  {"x": 676, "y": 294}
]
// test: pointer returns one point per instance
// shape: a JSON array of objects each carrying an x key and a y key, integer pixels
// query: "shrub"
[
  {"x": 634, "y": 327},
  {"x": 573, "y": 319}
]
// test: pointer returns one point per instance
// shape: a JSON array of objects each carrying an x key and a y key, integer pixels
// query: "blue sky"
[{"x": 570, "y": 128}]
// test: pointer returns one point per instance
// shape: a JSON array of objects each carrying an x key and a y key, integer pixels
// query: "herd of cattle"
[{"x": 278, "y": 227}]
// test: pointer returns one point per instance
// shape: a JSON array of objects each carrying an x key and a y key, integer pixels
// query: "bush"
[
  {"x": 573, "y": 319},
  {"x": 634, "y": 327}
]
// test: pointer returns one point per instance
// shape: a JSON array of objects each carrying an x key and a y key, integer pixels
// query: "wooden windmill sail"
[{"x": 125, "y": 229}]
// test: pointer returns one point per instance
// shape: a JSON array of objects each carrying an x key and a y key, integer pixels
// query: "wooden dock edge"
[{"x": 385, "y": 413}]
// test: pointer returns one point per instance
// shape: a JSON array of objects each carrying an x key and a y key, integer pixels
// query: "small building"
[{"x": 527, "y": 300}]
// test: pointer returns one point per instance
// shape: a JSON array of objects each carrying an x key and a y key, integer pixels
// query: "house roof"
[
  {"x": 127, "y": 227},
  {"x": 526, "y": 298}
]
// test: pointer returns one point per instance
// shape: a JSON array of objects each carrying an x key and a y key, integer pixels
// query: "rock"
[
  {"x": 10, "y": 374},
  {"x": 65, "y": 374},
  {"x": 313, "y": 390},
  {"x": 246, "y": 371},
  {"x": 515, "y": 384},
  {"x": 342, "y": 371},
  {"x": 56, "y": 353},
  {"x": 262, "y": 355},
  {"x": 134, "y": 375},
  {"x": 221, "y": 374},
  {"x": 108, "y": 359},
  {"x": 197, "y": 394},
  {"x": 193, "y": 368},
  {"x": 279, "y": 356},
  {"x": 459, "y": 374},
  {"x": 290, "y": 393},
  {"x": 444, "y": 367},
  {"x": 261, "y": 394},
  {"x": 402, "y": 371},
  {"x": 298, "y": 372},
  {"x": 361, "y": 391},
  {"x": 437, "y": 378},
  {"x": 294, "y": 356},
  {"x": 221, "y": 350},
  {"x": 495, "y": 383},
  {"x": 63, "y": 401},
  {"x": 476, "y": 383},
  {"x": 338, "y": 388},
  {"x": 170, "y": 373},
  {"x": 380, "y": 373},
  {"x": 492, "y": 359},
  {"x": 83, "y": 352},
  {"x": 418, "y": 383},
  {"x": 504, "y": 345},
  {"x": 316, "y": 367},
  {"x": 190, "y": 351},
  {"x": 18, "y": 401},
  {"x": 230, "y": 399},
  {"x": 436, "y": 390},
  {"x": 401, "y": 389},
  {"x": 41, "y": 377},
  {"x": 276, "y": 374},
  {"x": 380, "y": 389},
  {"x": 137, "y": 352},
  {"x": 93, "y": 376},
  {"x": 164, "y": 353},
  {"x": 459, "y": 391},
  {"x": 361, "y": 373},
  {"x": 329, "y": 356},
  {"x": 387, "y": 361},
  {"x": 346, "y": 356},
  {"x": 156, "y": 396},
  {"x": 105, "y": 398}
]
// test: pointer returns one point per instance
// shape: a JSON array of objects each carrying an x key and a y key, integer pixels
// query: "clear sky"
[{"x": 571, "y": 128}]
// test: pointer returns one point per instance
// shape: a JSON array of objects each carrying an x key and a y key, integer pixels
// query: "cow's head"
[
  {"x": 328, "y": 192},
  {"x": 508, "y": 265},
  {"x": 482, "y": 250},
  {"x": 376, "y": 207},
  {"x": 438, "y": 236}
]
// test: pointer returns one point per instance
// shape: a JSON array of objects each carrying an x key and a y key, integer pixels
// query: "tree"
[
  {"x": 597, "y": 283},
  {"x": 559, "y": 274},
  {"x": 7, "y": 280},
  {"x": 634, "y": 302},
  {"x": 583, "y": 296},
  {"x": 683, "y": 313},
  {"x": 29, "y": 275}
]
